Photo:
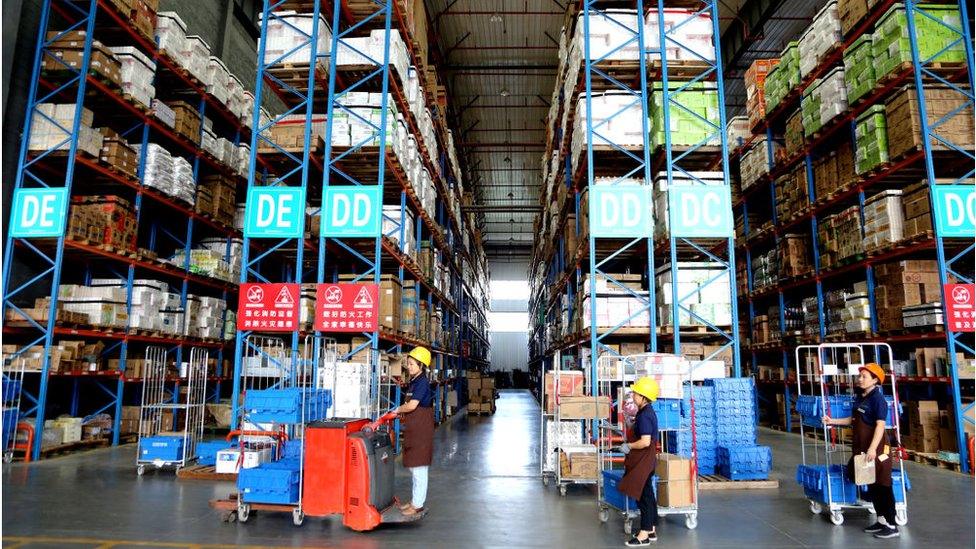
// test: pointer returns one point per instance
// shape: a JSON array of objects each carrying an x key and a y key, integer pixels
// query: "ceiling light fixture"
[{"x": 495, "y": 18}]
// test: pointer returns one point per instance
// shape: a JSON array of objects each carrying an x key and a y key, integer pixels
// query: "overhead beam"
[{"x": 746, "y": 29}]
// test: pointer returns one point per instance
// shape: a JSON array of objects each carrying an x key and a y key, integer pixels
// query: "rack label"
[
  {"x": 960, "y": 300},
  {"x": 620, "y": 211},
  {"x": 39, "y": 213},
  {"x": 352, "y": 212},
  {"x": 700, "y": 211},
  {"x": 347, "y": 307},
  {"x": 955, "y": 210},
  {"x": 268, "y": 307},
  {"x": 275, "y": 212}
]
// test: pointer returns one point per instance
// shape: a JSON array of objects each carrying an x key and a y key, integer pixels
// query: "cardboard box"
[
  {"x": 675, "y": 493},
  {"x": 584, "y": 407},
  {"x": 579, "y": 462},
  {"x": 673, "y": 467},
  {"x": 923, "y": 412},
  {"x": 570, "y": 383}
]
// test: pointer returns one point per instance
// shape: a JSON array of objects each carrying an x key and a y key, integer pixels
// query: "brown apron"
[
  {"x": 860, "y": 440},
  {"x": 638, "y": 467},
  {"x": 418, "y": 437}
]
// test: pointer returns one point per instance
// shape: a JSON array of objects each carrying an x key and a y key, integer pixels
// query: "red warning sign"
[
  {"x": 960, "y": 307},
  {"x": 268, "y": 308},
  {"x": 347, "y": 307}
]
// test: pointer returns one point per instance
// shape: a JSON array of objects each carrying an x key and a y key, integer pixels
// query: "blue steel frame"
[
  {"x": 640, "y": 167},
  {"x": 675, "y": 164},
  {"x": 953, "y": 266},
  {"x": 296, "y": 167}
]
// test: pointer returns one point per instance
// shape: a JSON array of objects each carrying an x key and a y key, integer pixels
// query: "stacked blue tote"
[{"x": 274, "y": 482}]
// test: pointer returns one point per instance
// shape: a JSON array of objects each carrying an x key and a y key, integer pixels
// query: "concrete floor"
[{"x": 485, "y": 492}]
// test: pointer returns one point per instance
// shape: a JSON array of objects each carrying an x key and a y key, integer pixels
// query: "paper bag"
[{"x": 864, "y": 470}]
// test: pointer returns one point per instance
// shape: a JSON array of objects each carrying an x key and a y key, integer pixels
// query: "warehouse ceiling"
[{"x": 500, "y": 60}]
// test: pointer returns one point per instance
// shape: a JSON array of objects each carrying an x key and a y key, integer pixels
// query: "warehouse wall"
[{"x": 509, "y": 349}]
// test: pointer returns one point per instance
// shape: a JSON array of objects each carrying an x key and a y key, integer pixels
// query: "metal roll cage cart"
[
  {"x": 11, "y": 390},
  {"x": 549, "y": 447},
  {"x": 827, "y": 370},
  {"x": 159, "y": 405},
  {"x": 616, "y": 371}
]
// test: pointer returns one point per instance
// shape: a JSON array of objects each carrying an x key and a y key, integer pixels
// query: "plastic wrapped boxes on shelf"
[
  {"x": 691, "y": 123},
  {"x": 137, "y": 74},
  {"x": 823, "y": 100},
  {"x": 755, "y": 81},
  {"x": 945, "y": 108},
  {"x": 765, "y": 269},
  {"x": 884, "y": 220},
  {"x": 859, "y": 68},
  {"x": 615, "y": 128},
  {"x": 737, "y": 131},
  {"x": 104, "y": 306},
  {"x": 172, "y": 175},
  {"x": 51, "y": 128},
  {"x": 693, "y": 31},
  {"x": 784, "y": 77},
  {"x": 707, "y": 290},
  {"x": 288, "y": 33},
  {"x": 892, "y": 45},
  {"x": 821, "y": 37},
  {"x": 755, "y": 162},
  {"x": 872, "y": 139}
]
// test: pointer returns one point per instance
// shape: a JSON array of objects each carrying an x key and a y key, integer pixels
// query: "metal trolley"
[
  {"x": 615, "y": 373},
  {"x": 825, "y": 382},
  {"x": 11, "y": 388},
  {"x": 161, "y": 408},
  {"x": 557, "y": 433}
]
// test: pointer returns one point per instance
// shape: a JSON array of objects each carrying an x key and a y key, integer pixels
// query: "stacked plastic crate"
[{"x": 737, "y": 455}]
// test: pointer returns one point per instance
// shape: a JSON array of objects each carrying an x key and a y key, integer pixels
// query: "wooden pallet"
[
  {"x": 203, "y": 472},
  {"x": 74, "y": 446},
  {"x": 718, "y": 482},
  {"x": 933, "y": 459}
]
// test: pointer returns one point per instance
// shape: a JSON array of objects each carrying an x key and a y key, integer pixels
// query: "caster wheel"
[
  {"x": 604, "y": 515},
  {"x": 562, "y": 490},
  {"x": 230, "y": 517},
  {"x": 837, "y": 518},
  {"x": 691, "y": 521},
  {"x": 901, "y": 517},
  {"x": 243, "y": 512},
  {"x": 545, "y": 480},
  {"x": 140, "y": 470},
  {"x": 8, "y": 457},
  {"x": 815, "y": 508},
  {"x": 297, "y": 517},
  {"x": 628, "y": 527}
]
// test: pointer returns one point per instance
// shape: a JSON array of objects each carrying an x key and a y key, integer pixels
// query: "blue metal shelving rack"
[{"x": 50, "y": 253}]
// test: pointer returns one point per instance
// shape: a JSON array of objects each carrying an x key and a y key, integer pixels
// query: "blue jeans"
[{"x": 419, "y": 483}]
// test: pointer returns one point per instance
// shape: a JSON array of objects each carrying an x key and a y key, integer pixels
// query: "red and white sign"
[
  {"x": 268, "y": 307},
  {"x": 960, "y": 302},
  {"x": 347, "y": 307}
]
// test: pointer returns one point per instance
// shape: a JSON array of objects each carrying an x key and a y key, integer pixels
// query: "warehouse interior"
[{"x": 240, "y": 232}]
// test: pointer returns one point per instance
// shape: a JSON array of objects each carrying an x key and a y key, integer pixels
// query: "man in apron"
[
  {"x": 641, "y": 460},
  {"x": 417, "y": 419},
  {"x": 869, "y": 437}
]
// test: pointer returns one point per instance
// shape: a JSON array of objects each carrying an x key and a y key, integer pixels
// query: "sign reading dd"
[
  {"x": 39, "y": 213},
  {"x": 620, "y": 211},
  {"x": 353, "y": 211},
  {"x": 955, "y": 210},
  {"x": 700, "y": 211},
  {"x": 275, "y": 212}
]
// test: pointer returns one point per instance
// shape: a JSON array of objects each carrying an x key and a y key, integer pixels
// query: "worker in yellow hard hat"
[
  {"x": 640, "y": 460},
  {"x": 867, "y": 422},
  {"x": 417, "y": 419}
]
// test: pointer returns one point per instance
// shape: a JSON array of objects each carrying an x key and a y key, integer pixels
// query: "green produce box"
[
  {"x": 871, "y": 138},
  {"x": 859, "y": 73}
]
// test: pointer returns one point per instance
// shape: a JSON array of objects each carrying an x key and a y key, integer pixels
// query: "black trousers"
[
  {"x": 648, "y": 505},
  {"x": 883, "y": 498}
]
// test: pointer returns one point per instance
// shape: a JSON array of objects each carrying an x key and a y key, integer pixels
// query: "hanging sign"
[
  {"x": 268, "y": 307},
  {"x": 620, "y": 211},
  {"x": 700, "y": 211},
  {"x": 39, "y": 213},
  {"x": 352, "y": 212},
  {"x": 275, "y": 212},
  {"x": 955, "y": 210},
  {"x": 960, "y": 300},
  {"x": 347, "y": 307}
]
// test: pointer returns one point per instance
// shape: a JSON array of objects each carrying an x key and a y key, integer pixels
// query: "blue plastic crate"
[
  {"x": 612, "y": 496},
  {"x": 207, "y": 450},
  {"x": 744, "y": 462},
  {"x": 292, "y": 449},
  {"x": 10, "y": 418},
  {"x": 285, "y": 405},
  {"x": 814, "y": 479},
  {"x": 890, "y": 420},
  {"x": 161, "y": 448},
  {"x": 275, "y": 482},
  {"x": 668, "y": 412}
]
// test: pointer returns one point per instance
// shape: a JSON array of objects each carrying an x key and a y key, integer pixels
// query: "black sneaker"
[
  {"x": 652, "y": 536},
  {"x": 634, "y": 542},
  {"x": 875, "y": 528},
  {"x": 888, "y": 532}
]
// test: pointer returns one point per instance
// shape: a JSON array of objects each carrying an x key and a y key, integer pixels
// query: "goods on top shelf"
[
  {"x": 892, "y": 45},
  {"x": 287, "y": 38},
  {"x": 783, "y": 77},
  {"x": 821, "y": 37},
  {"x": 755, "y": 82},
  {"x": 691, "y": 123},
  {"x": 859, "y": 68}
]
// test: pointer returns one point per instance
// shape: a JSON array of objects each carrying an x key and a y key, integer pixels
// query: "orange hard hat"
[{"x": 875, "y": 370}]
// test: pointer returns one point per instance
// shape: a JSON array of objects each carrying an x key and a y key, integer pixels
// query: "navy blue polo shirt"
[
  {"x": 873, "y": 407},
  {"x": 419, "y": 389},
  {"x": 646, "y": 423}
]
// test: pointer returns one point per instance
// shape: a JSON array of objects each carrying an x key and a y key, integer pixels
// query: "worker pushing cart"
[{"x": 640, "y": 460}]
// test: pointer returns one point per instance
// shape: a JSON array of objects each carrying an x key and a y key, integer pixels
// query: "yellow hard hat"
[
  {"x": 421, "y": 355},
  {"x": 646, "y": 387}
]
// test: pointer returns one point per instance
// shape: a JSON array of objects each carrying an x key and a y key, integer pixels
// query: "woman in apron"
[
  {"x": 417, "y": 420},
  {"x": 869, "y": 437},
  {"x": 640, "y": 459}
]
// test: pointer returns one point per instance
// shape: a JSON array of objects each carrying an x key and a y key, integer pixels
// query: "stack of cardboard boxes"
[
  {"x": 903, "y": 284},
  {"x": 675, "y": 488},
  {"x": 481, "y": 393},
  {"x": 918, "y": 209},
  {"x": 923, "y": 426},
  {"x": 66, "y": 356},
  {"x": 578, "y": 462},
  {"x": 103, "y": 220}
]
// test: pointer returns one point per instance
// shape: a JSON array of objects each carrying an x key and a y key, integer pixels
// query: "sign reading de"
[
  {"x": 352, "y": 212},
  {"x": 620, "y": 211},
  {"x": 268, "y": 307},
  {"x": 955, "y": 210},
  {"x": 960, "y": 302},
  {"x": 275, "y": 212},
  {"x": 700, "y": 211},
  {"x": 39, "y": 213},
  {"x": 347, "y": 307}
]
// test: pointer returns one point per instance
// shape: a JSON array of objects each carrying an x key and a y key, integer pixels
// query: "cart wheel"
[
  {"x": 837, "y": 518},
  {"x": 901, "y": 517},
  {"x": 562, "y": 489},
  {"x": 140, "y": 470},
  {"x": 815, "y": 508},
  {"x": 628, "y": 526},
  {"x": 243, "y": 512},
  {"x": 691, "y": 521},
  {"x": 297, "y": 517},
  {"x": 545, "y": 480},
  {"x": 229, "y": 517},
  {"x": 8, "y": 457},
  {"x": 604, "y": 515}
]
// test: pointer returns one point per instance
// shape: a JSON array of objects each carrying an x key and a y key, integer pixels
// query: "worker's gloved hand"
[{"x": 624, "y": 448}]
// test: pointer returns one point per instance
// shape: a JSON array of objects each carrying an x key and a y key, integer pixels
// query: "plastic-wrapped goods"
[
  {"x": 103, "y": 305},
  {"x": 171, "y": 33},
  {"x": 218, "y": 77},
  {"x": 892, "y": 46},
  {"x": 738, "y": 132},
  {"x": 755, "y": 80},
  {"x": 195, "y": 57},
  {"x": 688, "y": 33},
  {"x": 784, "y": 77},
  {"x": 138, "y": 72},
  {"x": 607, "y": 37},
  {"x": 707, "y": 290},
  {"x": 164, "y": 113},
  {"x": 47, "y": 134},
  {"x": 884, "y": 219},
  {"x": 823, "y": 100},
  {"x": 859, "y": 69},
  {"x": 678, "y": 179},
  {"x": 205, "y": 262},
  {"x": 755, "y": 162},
  {"x": 184, "y": 187},
  {"x": 765, "y": 269},
  {"x": 823, "y": 35},
  {"x": 698, "y": 104},
  {"x": 171, "y": 175},
  {"x": 235, "y": 91},
  {"x": 617, "y": 117},
  {"x": 288, "y": 38},
  {"x": 870, "y": 133},
  {"x": 232, "y": 250},
  {"x": 246, "y": 109},
  {"x": 393, "y": 221}
]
